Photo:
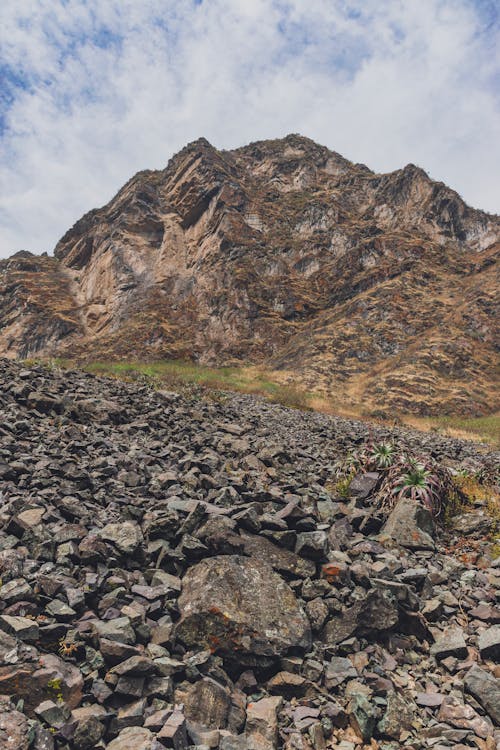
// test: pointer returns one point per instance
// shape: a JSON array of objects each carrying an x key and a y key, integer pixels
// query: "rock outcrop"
[{"x": 281, "y": 253}]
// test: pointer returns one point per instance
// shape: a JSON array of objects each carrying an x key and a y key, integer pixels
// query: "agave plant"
[
  {"x": 380, "y": 456},
  {"x": 421, "y": 480}
]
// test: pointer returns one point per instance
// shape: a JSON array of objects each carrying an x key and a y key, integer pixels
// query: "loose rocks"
[{"x": 179, "y": 572}]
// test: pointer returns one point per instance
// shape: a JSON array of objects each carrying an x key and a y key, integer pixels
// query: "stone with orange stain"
[{"x": 239, "y": 607}]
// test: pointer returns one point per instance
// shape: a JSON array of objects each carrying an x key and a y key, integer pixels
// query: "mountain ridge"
[{"x": 284, "y": 254}]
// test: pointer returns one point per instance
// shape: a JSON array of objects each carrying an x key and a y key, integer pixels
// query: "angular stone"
[
  {"x": 362, "y": 485},
  {"x": 450, "y": 643},
  {"x": 240, "y": 608},
  {"x": 135, "y": 665},
  {"x": 22, "y": 627},
  {"x": 362, "y": 716},
  {"x": 287, "y": 684},
  {"x": 51, "y": 678},
  {"x": 462, "y": 716},
  {"x": 312, "y": 545},
  {"x": 126, "y": 536},
  {"x": 486, "y": 690},
  {"x": 489, "y": 643},
  {"x": 232, "y": 742},
  {"x": 118, "y": 630},
  {"x": 173, "y": 733},
  {"x": 133, "y": 738},
  {"x": 429, "y": 699},
  {"x": 376, "y": 613},
  {"x": 88, "y": 732},
  {"x": 60, "y": 610},
  {"x": 14, "y": 728},
  {"x": 472, "y": 522},
  {"x": 262, "y": 723},
  {"x": 31, "y": 518},
  {"x": 398, "y": 717},
  {"x": 53, "y": 714},
  {"x": 410, "y": 525},
  {"x": 317, "y": 612},
  {"x": 130, "y": 715},
  {"x": 284, "y": 561},
  {"x": 338, "y": 671},
  {"x": 207, "y": 703}
]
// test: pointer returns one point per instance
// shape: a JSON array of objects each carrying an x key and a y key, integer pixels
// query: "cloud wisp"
[{"x": 92, "y": 92}]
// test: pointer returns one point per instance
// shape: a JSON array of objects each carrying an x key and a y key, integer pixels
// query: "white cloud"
[{"x": 117, "y": 86}]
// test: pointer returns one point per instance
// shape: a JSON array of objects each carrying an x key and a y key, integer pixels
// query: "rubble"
[{"x": 187, "y": 576}]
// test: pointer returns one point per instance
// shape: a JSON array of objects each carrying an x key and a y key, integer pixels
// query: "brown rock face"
[{"x": 281, "y": 253}]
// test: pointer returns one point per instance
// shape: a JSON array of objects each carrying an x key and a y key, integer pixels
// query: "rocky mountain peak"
[{"x": 285, "y": 254}]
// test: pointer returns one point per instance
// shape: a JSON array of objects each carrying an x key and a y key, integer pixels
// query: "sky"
[{"x": 91, "y": 91}]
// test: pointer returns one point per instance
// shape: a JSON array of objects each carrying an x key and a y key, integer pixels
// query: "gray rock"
[
  {"x": 206, "y": 702},
  {"x": 126, "y": 536},
  {"x": 22, "y": 627},
  {"x": 486, "y": 690},
  {"x": 14, "y": 728},
  {"x": 238, "y": 605},
  {"x": 362, "y": 716},
  {"x": 489, "y": 643},
  {"x": 410, "y": 525},
  {"x": 312, "y": 545},
  {"x": 362, "y": 485},
  {"x": 377, "y": 612},
  {"x": 138, "y": 738},
  {"x": 174, "y": 732},
  {"x": 338, "y": 671},
  {"x": 398, "y": 717},
  {"x": 450, "y": 643}
]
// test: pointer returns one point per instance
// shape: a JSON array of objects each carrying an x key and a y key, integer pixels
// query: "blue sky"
[{"x": 92, "y": 91}]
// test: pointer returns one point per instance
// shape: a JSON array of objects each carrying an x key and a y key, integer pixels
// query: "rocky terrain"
[
  {"x": 378, "y": 287},
  {"x": 181, "y": 572}
]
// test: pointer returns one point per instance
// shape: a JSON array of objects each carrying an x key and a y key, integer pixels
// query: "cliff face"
[{"x": 282, "y": 253}]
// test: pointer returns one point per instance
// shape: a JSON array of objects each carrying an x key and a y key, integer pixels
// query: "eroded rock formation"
[{"x": 282, "y": 253}]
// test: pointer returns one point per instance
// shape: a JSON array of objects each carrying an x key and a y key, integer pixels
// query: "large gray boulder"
[{"x": 238, "y": 606}]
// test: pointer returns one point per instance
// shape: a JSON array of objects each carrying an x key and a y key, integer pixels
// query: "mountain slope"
[{"x": 282, "y": 253}]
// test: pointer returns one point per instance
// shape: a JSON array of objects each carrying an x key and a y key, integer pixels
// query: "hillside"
[
  {"x": 191, "y": 574},
  {"x": 282, "y": 254}
]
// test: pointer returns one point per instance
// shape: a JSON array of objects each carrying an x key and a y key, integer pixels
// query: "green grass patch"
[
  {"x": 179, "y": 374},
  {"x": 487, "y": 428}
]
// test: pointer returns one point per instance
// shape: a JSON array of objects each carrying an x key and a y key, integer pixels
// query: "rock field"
[{"x": 181, "y": 572}]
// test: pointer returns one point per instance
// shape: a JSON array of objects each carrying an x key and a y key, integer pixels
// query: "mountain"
[{"x": 379, "y": 287}]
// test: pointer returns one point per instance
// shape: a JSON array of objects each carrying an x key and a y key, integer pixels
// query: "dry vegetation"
[{"x": 278, "y": 388}]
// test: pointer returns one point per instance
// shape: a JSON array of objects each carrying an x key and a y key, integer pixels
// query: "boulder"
[
  {"x": 240, "y": 608},
  {"x": 410, "y": 525}
]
